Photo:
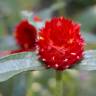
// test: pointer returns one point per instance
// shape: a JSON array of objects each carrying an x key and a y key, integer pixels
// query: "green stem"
[{"x": 59, "y": 84}]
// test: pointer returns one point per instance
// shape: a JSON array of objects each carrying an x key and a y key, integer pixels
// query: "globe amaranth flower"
[
  {"x": 25, "y": 35},
  {"x": 60, "y": 44}
]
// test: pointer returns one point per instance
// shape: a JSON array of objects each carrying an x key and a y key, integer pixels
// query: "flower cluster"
[{"x": 59, "y": 42}]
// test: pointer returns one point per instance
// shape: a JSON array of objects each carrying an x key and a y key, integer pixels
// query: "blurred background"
[{"x": 42, "y": 83}]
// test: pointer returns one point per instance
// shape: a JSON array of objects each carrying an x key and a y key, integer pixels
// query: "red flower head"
[
  {"x": 37, "y": 19},
  {"x": 60, "y": 43},
  {"x": 25, "y": 35}
]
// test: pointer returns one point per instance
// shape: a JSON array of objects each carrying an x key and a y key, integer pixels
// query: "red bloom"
[
  {"x": 60, "y": 43},
  {"x": 37, "y": 19},
  {"x": 25, "y": 35}
]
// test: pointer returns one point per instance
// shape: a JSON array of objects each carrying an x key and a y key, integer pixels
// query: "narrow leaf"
[
  {"x": 17, "y": 63},
  {"x": 89, "y": 61}
]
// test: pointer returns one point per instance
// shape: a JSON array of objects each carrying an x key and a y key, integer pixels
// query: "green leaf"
[
  {"x": 89, "y": 61},
  {"x": 14, "y": 64}
]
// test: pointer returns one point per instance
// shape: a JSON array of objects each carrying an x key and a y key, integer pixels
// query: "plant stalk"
[{"x": 59, "y": 83}]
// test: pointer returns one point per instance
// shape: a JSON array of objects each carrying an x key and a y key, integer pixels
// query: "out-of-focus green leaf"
[
  {"x": 1, "y": 30},
  {"x": 87, "y": 18},
  {"x": 17, "y": 63},
  {"x": 25, "y": 61},
  {"x": 89, "y": 61}
]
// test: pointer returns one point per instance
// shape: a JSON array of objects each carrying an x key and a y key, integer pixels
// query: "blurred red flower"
[
  {"x": 37, "y": 19},
  {"x": 60, "y": 44},
  {"x": 19, "y": 51},
  {"x": 25, "y": 35}
]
